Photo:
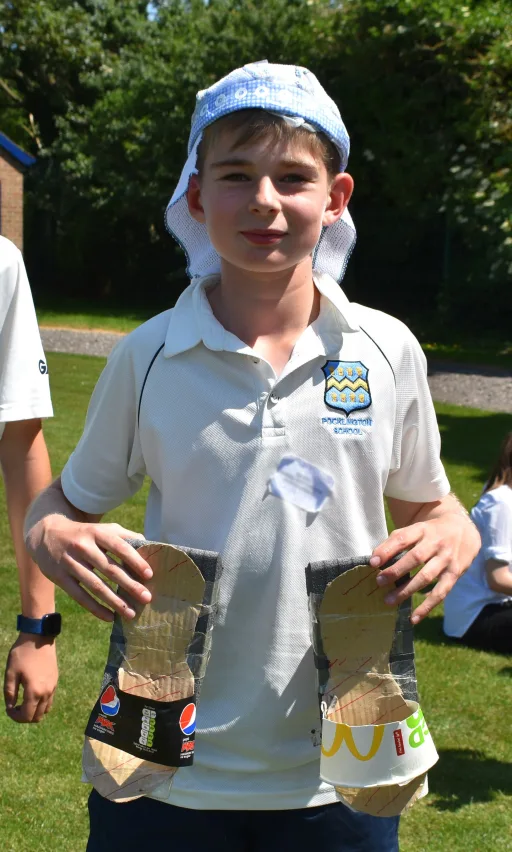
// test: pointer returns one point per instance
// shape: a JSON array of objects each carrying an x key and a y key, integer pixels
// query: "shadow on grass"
[
  {"x": 506, "y": 671},
  {"x": 473, "y": 439},
  {"x": 431, "y": 630},
  {"x": 464, "y": 776}
]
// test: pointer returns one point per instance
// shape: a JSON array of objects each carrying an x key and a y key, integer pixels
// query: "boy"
[
  {"x": 24, "y": 400},
  {"x": 207, "y": 399}
]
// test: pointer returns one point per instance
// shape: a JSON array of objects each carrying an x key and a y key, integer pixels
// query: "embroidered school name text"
[{"x": 347, "y": 425}]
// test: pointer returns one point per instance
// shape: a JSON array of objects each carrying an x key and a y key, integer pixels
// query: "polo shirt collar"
[
  {"x": 332, "y": 291},
  {"x": 192, "y": 321}
]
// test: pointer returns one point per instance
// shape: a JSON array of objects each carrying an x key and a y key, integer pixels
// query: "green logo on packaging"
[
  {"x": 420, "y": 730},
  {"x": 147, "y": 728}
]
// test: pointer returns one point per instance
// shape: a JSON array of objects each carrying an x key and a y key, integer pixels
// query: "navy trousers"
[{"x": 152, "y": 825}]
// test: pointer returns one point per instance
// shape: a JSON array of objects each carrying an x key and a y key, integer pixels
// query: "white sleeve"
[
  {"x": 24, "y": 385},
  {"x": 497, "y": 537},
  {"x": 107, "y": 466},
  {"x": 418, "y": 475}
]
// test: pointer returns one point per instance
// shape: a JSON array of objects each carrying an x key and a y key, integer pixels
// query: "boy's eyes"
[
  {"x": 236, "y": 176},
  {"x": 294, "y": 178},
  {"x": 287, "y": 178}
]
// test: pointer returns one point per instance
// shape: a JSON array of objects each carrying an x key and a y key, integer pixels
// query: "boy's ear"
[
  {"x": 339, "y": 196},
  {"x": 195, "y": 208}
]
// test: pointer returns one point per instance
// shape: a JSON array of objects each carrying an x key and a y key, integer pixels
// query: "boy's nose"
[{"x": 265, "y": 199}]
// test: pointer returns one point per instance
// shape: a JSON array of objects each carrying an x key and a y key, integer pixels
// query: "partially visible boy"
[
  {"x": 24, "y": 400},
  {"x": 262, "y": 365}
]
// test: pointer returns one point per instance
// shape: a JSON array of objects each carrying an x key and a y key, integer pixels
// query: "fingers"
[
  {"x": 435, "y": 597},
  {"x": 11, "y": 688},
  {"x": 31, "y": 709},
  {"x": 75, "y": 591},
  {"x": 40, "y": 710},
  {"x": 121, "y": 576},
  {"x": 81, "y": 573},
  {"x": 86, "y": 554},
  {"x": 399, "y": 540},
  {"x": 424, "y": 577},
  {"x": 119, "y": 547},
  {"x": 92, "y": 551},
  {"x": 426, "y": 547},
  {"x": 73, "y": 552},
  {"x": 49, "y": 703},
  {"x": 422, "y": 548}
]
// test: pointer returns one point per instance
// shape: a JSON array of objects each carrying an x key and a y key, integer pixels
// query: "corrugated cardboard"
[
  {"x": 357, "y": 630},
  {"x": 155, "y": 667}
]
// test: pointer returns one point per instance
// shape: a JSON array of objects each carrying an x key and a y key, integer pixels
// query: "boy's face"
[{"x": 264, "y": 205}]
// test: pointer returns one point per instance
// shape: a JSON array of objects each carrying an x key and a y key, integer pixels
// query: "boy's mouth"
[{"x": 263, "y": 236}]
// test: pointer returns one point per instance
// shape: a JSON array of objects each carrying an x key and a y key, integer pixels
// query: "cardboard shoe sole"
[
  {"x": 155, "y": 657},
  {"x": 354, "y": 634}
]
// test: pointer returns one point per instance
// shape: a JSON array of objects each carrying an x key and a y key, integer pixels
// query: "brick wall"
[{"x": 11, "y": 200}]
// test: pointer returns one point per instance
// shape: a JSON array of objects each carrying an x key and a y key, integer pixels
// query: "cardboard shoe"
[
  {"x": 142, "y": 727},
  {"x": 376, "y": 747}
]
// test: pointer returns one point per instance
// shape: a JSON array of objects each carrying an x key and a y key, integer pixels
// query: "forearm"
[
  {"x": 499, "y": 576},
  {"x": 26, "y": 470},
  {"x": 405, "y": 514},
  {"x": 52, "y": 501}
]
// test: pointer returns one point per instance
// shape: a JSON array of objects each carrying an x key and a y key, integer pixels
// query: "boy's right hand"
[{"x": 70, "y": 553}]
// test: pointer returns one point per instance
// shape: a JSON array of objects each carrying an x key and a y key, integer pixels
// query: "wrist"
[
  {"x": 37, "y": 609},
  {"x": 34, "y": 640},
  {"x": 37, "y": 529},
  {"x": 48, "y": 626}
]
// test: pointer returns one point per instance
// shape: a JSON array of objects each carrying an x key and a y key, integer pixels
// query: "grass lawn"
[
  {"x": 87, "y": 320},
  {"x": 492, "y": 353},
  {"x": 466, "y": 696},
  {"x": 495, "y": 353}
]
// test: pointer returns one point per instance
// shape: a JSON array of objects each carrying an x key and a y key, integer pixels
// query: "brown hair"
[
  {"x": 501, "y": 473},
  {"x": 253, "y": 125}
]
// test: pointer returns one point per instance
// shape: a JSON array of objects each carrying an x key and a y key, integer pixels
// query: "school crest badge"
[{"x": 346, "y": 386}]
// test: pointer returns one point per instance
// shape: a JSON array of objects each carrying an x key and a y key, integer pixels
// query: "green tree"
[{"x": 105, "y": 94}]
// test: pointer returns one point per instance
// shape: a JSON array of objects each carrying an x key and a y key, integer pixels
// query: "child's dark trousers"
[{"x": 146, "y": 824}]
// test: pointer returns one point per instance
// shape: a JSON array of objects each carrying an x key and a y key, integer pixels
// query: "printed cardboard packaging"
[
  {"x": 142, "y": 727},
  {"x": 376, "y": 747}
]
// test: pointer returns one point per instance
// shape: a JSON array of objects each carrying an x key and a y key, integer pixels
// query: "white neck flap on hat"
[{"x": 290, "y": 91}]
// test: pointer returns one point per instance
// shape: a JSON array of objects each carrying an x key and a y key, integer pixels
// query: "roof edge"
[{"x": 15, "y": 151}]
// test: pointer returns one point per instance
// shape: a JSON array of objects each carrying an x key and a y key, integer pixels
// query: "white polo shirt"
[
  {"x": 214, "y": 425},
  {"x": 24, "y": 388},
  {"x": 471, "y": 593}
]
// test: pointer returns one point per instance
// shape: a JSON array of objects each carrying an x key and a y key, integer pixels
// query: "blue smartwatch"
[{"x": 48, "y": 625}]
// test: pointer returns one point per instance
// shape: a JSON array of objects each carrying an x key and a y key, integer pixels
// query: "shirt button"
[{"x": 256, "y": 360}]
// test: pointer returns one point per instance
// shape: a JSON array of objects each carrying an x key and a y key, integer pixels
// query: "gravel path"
[
  {"x": 79, "y": 342},
  {"x": 489, "y": 388}
]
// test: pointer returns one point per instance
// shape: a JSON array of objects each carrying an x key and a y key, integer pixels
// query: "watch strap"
[{"x": 48, "y": 625}]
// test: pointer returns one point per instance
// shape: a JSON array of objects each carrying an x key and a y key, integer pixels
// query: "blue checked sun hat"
[{"x": 293, "y": 93}]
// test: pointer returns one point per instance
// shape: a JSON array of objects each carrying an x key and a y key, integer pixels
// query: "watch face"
[{"x": 51, "y": 624}]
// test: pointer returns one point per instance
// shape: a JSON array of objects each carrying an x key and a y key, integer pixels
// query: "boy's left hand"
[
  {"x": 440, "y": 538},
  {"x": 32, "y": 664}
]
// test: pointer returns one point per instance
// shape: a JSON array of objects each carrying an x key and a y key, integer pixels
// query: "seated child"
[
  {"x": 262, "y": 359},
  {"x": 478, "y": 610}
]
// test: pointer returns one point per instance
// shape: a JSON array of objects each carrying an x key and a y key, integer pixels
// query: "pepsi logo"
[
  {"x": 109, "y": 702},
  {"x": 188, "y": 719}
]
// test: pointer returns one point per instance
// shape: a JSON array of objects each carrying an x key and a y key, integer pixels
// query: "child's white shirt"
[
  {"x": 24, "y": 387},
  {"x": 214, "y": 425},
  {"x": 471, "y": 593}
]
